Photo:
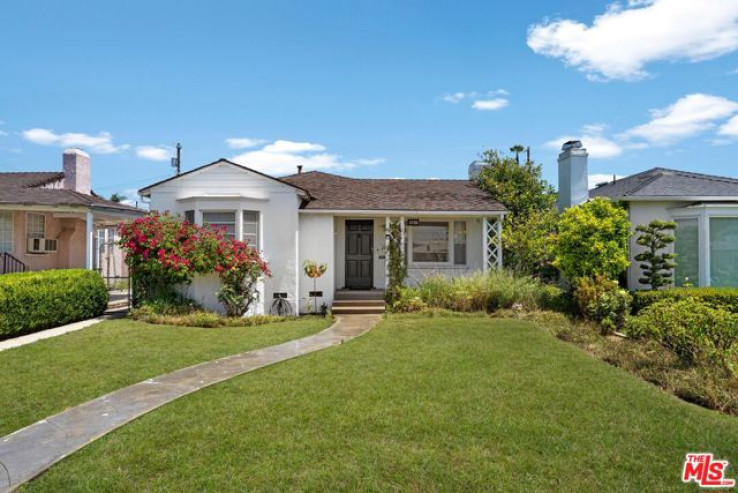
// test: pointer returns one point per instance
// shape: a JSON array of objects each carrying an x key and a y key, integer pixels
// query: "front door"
[{"x": 359, "y": 257}]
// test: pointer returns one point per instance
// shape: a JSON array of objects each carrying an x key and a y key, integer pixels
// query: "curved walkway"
[{"x": 28, "y": 452}]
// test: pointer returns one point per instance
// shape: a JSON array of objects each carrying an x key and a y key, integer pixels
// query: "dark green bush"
[
  {"x": 725, "y": 298},
  {"x": 693, "y": 330},
  {"x": 33, "y": 301}
]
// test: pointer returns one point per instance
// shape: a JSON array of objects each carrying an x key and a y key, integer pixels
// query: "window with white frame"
[
  {"x": 686, "y": 247},
  {"x": 250, "y": 228},
  {"x": 35, "y": 225},
  {"x": 723, "y": 251},
  {"x": 6, "y": 231},
  {"x": 224, "y": 221},
  {"x": 459, "y": 242},
  {"x": 430, "y": 242}
]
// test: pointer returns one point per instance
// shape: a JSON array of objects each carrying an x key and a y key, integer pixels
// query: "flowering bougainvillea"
[{"x": 163, "y": 251}]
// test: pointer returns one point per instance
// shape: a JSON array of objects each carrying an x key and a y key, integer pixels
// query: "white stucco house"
[
  {"x": 448, "y": 226},
  {"x": 705, "y": 208}
]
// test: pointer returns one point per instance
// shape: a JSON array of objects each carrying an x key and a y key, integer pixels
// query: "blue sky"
[{"x": 367, "y": 88}]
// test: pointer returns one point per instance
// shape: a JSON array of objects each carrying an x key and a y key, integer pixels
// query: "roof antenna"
[
  {"x": 614, "y": 178},
  {"x": 177, "y": 161}
]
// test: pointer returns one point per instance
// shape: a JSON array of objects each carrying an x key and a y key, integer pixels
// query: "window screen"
[
  {"x": 224, "y": 221},
  {"x": 35, "y": 226},
  {"x": 723, "y": 251},
  {"x": 250, "y": 228},
  {"x": 686, "y": 248}
]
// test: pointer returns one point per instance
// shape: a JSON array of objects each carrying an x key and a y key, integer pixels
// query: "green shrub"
[
  {"x": 488, "y": 292},
  {"x": 693, "y": 330},
  {"x": 555, "y": 299},
  {"x": 725, "y": 298},
  {"x": 407, "y": 300},
  {"x": 601, "y": 300},
  {"x": 183, "y": 312},
  {"x": 33, "y": 301}
]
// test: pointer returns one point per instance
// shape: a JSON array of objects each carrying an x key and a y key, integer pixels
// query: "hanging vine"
[{"x": 396, "y": 262}]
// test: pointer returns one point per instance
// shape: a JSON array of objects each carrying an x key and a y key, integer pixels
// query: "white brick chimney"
[
  {"x": 77, "y": 171},
  {"x": 573, "y": 183}
]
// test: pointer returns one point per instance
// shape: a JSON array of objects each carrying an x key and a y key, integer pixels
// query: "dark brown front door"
[{"x": 359, "y": 257}]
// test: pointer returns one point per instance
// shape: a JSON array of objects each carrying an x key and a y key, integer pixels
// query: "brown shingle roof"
[
  {"x": 335, "y": 192},
  {"x": 26, "y": 188}
]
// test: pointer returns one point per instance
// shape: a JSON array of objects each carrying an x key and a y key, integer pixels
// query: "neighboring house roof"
[
  {"x": 27, "y": 188},
  {"x": 668, "y": 184},
  {"x": 333, "y": 192},
  {"x": 147, "y": 190}
]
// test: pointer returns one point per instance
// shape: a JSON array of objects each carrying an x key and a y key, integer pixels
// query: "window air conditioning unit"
[
  {"x": 50, "y": 245},
  {"x": 42, "y": 245},
  {"x": 36, "y": 245}
]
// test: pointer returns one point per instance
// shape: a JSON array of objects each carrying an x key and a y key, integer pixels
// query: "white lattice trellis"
[{"x": 492, "y": 238}]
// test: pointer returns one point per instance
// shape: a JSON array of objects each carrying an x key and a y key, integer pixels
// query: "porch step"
[
  {"x": 347, "y": 303},
  {"x": 358, "y": 310},
  {"x": 348, "y": 294}
]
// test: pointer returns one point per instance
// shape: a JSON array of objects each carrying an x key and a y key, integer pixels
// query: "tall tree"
[
  {"x": 531, "y": 218},
  {"x": 658, "y": 265},
  {"x": 517, "y": 149}
]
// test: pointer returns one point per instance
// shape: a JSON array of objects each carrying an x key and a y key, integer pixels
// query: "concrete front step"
[
  {"x": 358, "y": 310},
  {"x": 346, "y": 294},
  {"x": 337, "y": 303}
]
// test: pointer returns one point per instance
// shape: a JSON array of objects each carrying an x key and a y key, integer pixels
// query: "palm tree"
[{"x": 517, "y": 149}]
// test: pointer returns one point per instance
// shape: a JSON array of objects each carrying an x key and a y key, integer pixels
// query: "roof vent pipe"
[{"x": 299, "y": 169}]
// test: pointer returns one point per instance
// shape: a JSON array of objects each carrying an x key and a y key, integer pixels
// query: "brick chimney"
[{"x": 77, "y": 171}]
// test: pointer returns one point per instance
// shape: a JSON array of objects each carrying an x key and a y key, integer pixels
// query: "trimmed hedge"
[
  {"x": 33, "y": 301},
  {"x": 725, "y": 298}
]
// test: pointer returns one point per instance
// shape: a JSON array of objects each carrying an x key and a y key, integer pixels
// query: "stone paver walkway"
[{"x": 30, "y": 451}]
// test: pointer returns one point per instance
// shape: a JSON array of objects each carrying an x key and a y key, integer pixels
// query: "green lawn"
[
  {"x": 48, "y": 376},
  {"x": 418, "y": 404}
]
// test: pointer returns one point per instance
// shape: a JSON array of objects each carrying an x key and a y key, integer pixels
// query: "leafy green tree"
[
  {"x": 519, "y": 186},
  {"x": 658, "y": 265},
  {"x": 531, "y": 219},
  {"x": 117, "y": 197},
  {"x": 592, "y": 240},
  {"x": 517, "y": 149}
]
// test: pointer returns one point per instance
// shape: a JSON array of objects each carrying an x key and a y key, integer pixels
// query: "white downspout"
[
  {"x": 386, "y": 251},
  {"x": 89, "y": 232}
]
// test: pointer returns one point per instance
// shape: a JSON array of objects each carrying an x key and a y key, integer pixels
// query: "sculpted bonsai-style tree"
[{"x": 658, "y": 265}]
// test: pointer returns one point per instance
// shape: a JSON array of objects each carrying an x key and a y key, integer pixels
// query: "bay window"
[
  {"x": 686, "y": 248},
  {"x": 250, "y": 228},
  {"x": 723, "y": 251},
  {"x": 224, "y": 221}
]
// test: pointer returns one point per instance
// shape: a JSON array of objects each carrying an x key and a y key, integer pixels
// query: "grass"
[
  {"x": 418, "y": 404},
  {"x": 49, "y": 376}
]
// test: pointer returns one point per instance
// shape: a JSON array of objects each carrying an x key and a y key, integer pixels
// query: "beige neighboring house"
[{"x": 53, "y": 220}]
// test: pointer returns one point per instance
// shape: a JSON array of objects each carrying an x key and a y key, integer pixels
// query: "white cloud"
[
  {"x": 597, "y": 178},
  {"x": 243, "y": 142},
  {"x": 730, "y": 128},
  {"x": 490, "y": 100},
  {"x": 598, "y": 146},
  {"x": 3, "y": 133},
  {"x": 101, "y": 143},
  {"x": 622, "y": 41},
  {"x": 283, "y": 156},
  {"x": 688, "y": 116},
  {"x": 456, "y": 97},
  {"x": 490, "y": 104},
  {"x": 154, "y": 153}
]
